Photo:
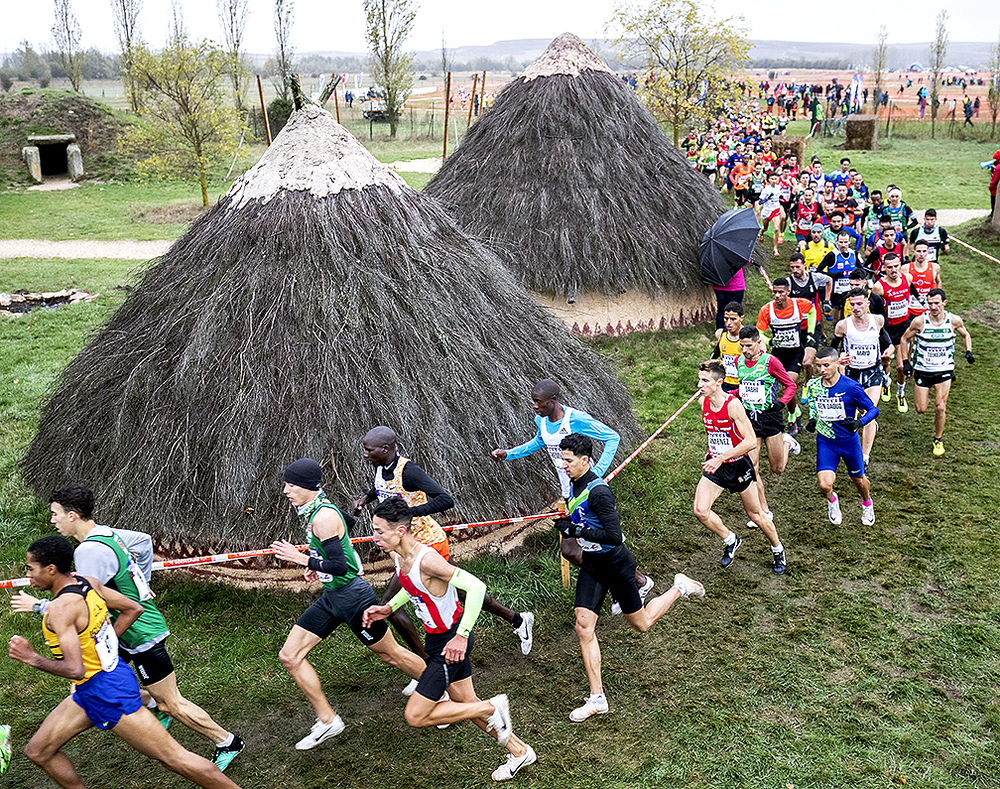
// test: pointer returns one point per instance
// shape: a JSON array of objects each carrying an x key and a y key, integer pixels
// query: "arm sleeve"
[
  {"x": 716, "y": 352},
  {"x": 811, "y": 318},
  {"x": 399, "y": 599},
  {"x": 438, "y": 499},
  {"x": 580, "y": 422},
  {"x": 475, "y": 593},
  {"x": 528, "y": 447},
  {"x": 95, "y": 561},
  {"x": 862, "y": 400},
  {"x": 140, "y": 545},
  {"x": 335, "y": 562},
  {"x": 777, "y": 369},
  {"x": 602, "y": 503}
]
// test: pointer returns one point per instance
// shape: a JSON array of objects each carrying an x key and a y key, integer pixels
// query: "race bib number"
[
  {"x": 323, "y": 577},
  {"x": 830, "y": 409},
  {"x": 141, "y": 584},
  {"x": 753, "y": 392},
  {"x": 897, "y": 309},
  {"x": 937, "y": 357},
  {"x": 730, "y": 364},
  {"x": 842, "y": 285},
  {"x": 864, "y": 356},
  {"x": 786, "y": 338},
  {"x": 718, "y": 443},
  {"x": 106, "y": 644}
]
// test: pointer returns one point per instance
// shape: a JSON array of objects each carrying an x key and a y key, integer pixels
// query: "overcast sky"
[{"x": 327, "y": 25}]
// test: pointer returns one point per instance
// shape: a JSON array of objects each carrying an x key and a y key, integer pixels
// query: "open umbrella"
[{"x": 727, "y": 246}]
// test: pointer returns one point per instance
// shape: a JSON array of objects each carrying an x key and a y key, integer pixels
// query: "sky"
[{"x": 327, "y": 25}]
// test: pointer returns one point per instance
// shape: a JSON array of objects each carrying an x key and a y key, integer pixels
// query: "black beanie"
[{"x": 305, "y": 472}]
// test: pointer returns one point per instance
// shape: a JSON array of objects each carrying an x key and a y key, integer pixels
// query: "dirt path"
[{"x": 123, "y": 250}]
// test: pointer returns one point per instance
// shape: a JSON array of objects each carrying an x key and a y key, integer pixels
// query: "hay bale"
[
  {"x": 797, "y": 144},
  {"x": 862, "y": 133}
]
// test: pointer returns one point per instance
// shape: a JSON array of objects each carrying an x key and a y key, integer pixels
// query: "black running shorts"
[
  {"x": 344, "y": 606},
  {"x": 790, "y": 358},
  {"x": 767, "y": 423},
  {"x": 867, "y": 377},
  {"x": 897, "y": 330},
  {"x": 151, "y": 665},
  {"x": 929, "y": 380},
  {"x": 735, "y": 477},
  {"x": 439, "y": 674},
  {"x": 612, "y": 571}
]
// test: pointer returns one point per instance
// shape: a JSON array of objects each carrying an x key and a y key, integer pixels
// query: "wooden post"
[
  {"x": 887, "y": 119},
  {"x": 472, "y": 100},
  {"x": 336, "y": 103},
  {"x": 563, "y": 561},
  {"x": 263, "y": 109},
  {"x": 482, "y": 92},
  {"x": 447, "y": 105}
]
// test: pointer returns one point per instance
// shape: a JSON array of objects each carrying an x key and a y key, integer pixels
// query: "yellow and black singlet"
[{"x": 98, "y": 641}]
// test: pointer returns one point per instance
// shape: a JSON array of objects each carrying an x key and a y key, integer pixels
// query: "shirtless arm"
[
  {"x": 62, "y": 620},
  {"x": 128, "y": 609}
]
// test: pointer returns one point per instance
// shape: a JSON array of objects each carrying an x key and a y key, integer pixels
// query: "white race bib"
[
  {"x": 897, "y": 309},
  {"x": 753, "y": 392},
  {"x": 830, "y": 409},
  {"x": 842, "y": 285},
  {"x": 864, "y": 356},
  {"x": 729, "y": 362},
  {"x": 786, "y": 338},
  {"x": 106, "y": 644},
  {"x": 719, "y": 443}
]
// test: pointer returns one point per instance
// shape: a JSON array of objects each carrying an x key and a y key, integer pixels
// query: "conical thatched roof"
[
  {"x": 569, "y": 178},
  {"x": 320, "y": 297}
]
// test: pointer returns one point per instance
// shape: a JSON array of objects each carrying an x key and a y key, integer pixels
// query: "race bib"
[
  {"x": 323, "y": 577},
  {"x": 719, "y": 443},
  {"x": 830, "y": 409},
  {"x": 785, "y": 338},
  {"x": 106, "y": 644},
  {"x": 842, "y": 285},
  {"x": 730, "y": 364},
  {"x": 937, "y": 354},
  {"x": 753, "y": 392},
  {"x": 897, "y": 309},
  {"x": 864, "y": 356},
  {"x": 141, "y": 584}
]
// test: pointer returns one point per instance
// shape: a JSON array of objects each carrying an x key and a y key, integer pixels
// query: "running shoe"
[
  {"x": 729, "y": 552},
  {"x": 499, "y": 722},
  {"x": 886, "y": 395},
  {"x": 509, "y": 769},
  {"x": 445, "y": 697},
  {"x": 901, "y": 405},
  {"x": 162, "y": 717},
  {"x": 779, "y": 562},
  {"x": 646, "y": 588},
  {"x": 320, "y": 732},
  {"x": 524, "y": 632},
  {"x": 833, "y": 510},
  {"x": 224, "y": 755},
  {"x": 591, "y": 707},
  {"x": 410, "y": 689},
  {"x": 868, "y": 514},
  {"x": 939, "y": 446},
  {"x": 769, "y": 515},
  {"x": 5, "y": 748},
  {"x": 794, "y": 447},
  {"x": 688, "y": 587}
]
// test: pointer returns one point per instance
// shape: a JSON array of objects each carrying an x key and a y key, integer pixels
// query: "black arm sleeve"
[
  {"x": 601, "y": 502},
  {"x": 335, "y": 563},
  {"x": 438, "y": 499},
  {"x": 716, "y": 352},
  {"x": 883, "y": 341},
  {"x": 836, "y": 342},
  {"x": 828, "y": 260}
]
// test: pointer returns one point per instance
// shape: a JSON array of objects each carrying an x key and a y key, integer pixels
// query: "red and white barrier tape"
[{"x": 977, "y": 251}]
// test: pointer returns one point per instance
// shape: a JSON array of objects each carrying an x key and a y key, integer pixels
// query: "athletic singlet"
[
  {"x": 758, "y": 388},
  {"x": 579, "y": 513},
  {"x": 424, "y": 529},
  {"x": 896, "y": 215},
  {"x": 897, "y": 301},
  {"x": 879, "y": 264},
  {"x": 814, "y": 253},
  {"x": 786, "y": 332},
  {"x": 805, "y": 217},
  {"x": 551, "y": 441},
  {"x": 840, "y": 271},
  {"x": 439, "y": 614},
  {"x": 331, "y": 582},
  {"x": 933, "y": 240},
  {"x": 722, "y": 432},
  {"x": 923, "y": 283},
  {"x": 862, "y": 345},
  {"x": 98, "y": 641},
  {"x": 934, "y": 346},
  {"x": 729, "y": 352},
  {"x": 809, "y": 291}
]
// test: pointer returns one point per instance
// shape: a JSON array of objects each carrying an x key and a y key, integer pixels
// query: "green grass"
[{"x": 875, "y": 659}]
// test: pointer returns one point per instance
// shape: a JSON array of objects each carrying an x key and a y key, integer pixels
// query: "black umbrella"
[{"x": 727, "y": 246}]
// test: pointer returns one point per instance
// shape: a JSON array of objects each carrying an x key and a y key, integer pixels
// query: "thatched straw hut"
[
  {"x": 319, "y": 297},
  {"x": 570, "y": 180}
]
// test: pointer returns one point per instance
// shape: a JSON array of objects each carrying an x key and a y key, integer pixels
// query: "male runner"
[
  {"x": 846, "y": 205},
  {"x": 105, "y": 693},
  {"x": 727, "y": 346},
  {"x": 333, "y": 562},
  {"x": 935, "y": 236},
  {"x": 838, "y": 226},
  {"x": 728, "y": 467},
  {"x": 444, "y": 693},
  {"x": 769, "y": 210},
  {"x": 889, "y": 243},
  {"x": 400, "y": 477},
  {"x": 608, "y": 566},
  {"x": 813, "y": 286},
  {"x": 554, "y": 422},
  {"x": 931, "y": 336},
  {"x": 844, "y": 263},
  {"x": 899, "y": 212},
  {"x": 122, "y": 560},
  {"x": 817, "y": 249},
  {"x": 923, "y": 275},
  {"x": 834, "y": 402},
  {"x": 866, "y": 347},
  {"x": 894, "y": 288},
  {"x": 806, "y": 213}
]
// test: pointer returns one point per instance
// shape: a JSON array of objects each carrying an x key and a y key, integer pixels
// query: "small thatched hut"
[
  {"x": 320, "y": 297},
  {"x": 570, "y": 180}
]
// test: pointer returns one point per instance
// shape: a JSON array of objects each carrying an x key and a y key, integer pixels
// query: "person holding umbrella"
[{"x": 725, "y": 249}]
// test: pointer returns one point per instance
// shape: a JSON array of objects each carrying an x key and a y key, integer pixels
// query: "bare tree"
[
  {"x": 446, "y": 54},
  {"x": 126, "y": 13},
  {"x": 388, "y": 23},
  {"x": 178, "y": 29},
  {"x": 880, "y": 56},
  {"x": 285, "y": 51},
  {"x": 233, "y": 18},
  {"x": 66, "y": 34},
  {"x": 939, "y": 51},
  {"x": 993, "y": 95}
]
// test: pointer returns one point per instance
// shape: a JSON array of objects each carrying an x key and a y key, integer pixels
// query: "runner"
[
  {"x": 807, "y": 212},
  {"x": 899, "y": 212},
  {"x": 935, "y": 236},
  {"x": 332, "y": 561},
  {"x": 727, "y": 346},
  {"x": 923, "y": 275},
  {"x": 122, "y": 560},
  {"x": 608, "y": 566},
  {"x": 792, "y": 323},
  {"x": 844, "y": 264},
  {"x": 895, "y": 289},
  {"x": 740, "y": 177},
  {"x": 786, "y": 190},
  {"x": 769, "y": 211},
  {"x": 400, "y": 477},
  {"x": 931, "y": 337},
  {"x": 554, "y": 422},
  {"x": 865, "y": 353},
  {"x": 728, "y": 467},
  {"x": 105, "y": 692},
  {"x": 817, "y": 249},
  {"x": 760, "y": 375},
  {"x": 832, "y": 231},
  {"x": 813, "y": 286},
  {"x": 834, "y": 401},
  {"x": 889, "y": 243},
  {"x": 445, "y": 693}
]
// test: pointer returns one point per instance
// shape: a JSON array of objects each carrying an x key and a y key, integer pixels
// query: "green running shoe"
[
  {"x": 5, "y": 749},
  {"x": 223, "y": 756},
  {"x": 162, "y": 717}
]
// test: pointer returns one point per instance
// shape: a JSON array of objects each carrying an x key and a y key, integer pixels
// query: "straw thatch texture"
[
  {"x": 569, "y": 178},
  {"x": 320, "y": 297}
]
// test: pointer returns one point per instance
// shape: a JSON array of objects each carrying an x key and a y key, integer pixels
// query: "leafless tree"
[
  {"x": 388, "y": 23},
  {"x": 284, "y": 52},
  {"x": 938, "y": 53},
  {"x": 993, "y": 95},
  {"x": 446, "y": 54},
  {"x": 233, "y": 18},
  {"x": 66, "y": 34},
  {"x": 880, "y": 57},
  {"x": 126, "y": 13}
]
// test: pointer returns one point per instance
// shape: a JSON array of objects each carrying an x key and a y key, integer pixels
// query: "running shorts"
[
  {"x": 735, "y": 476},
  {"x": 608, "y": 571},
  {"x": 867, "y": 377},
  {"x": 740, "y": 196},
  {"x": 439, "y": 673},
  {"x": 151, "y": 665},
  {"x": 344, "y": 606},
  {"x": 773, "y": 216},
  {"x": 897, "y": 330},
  {"x": 790, "y": 358},
  {"x": 767, "y": 423},
  {"x": 838, "y": 300},
  {"x": 108, "y": 695},
  {"x": 929, "y": 380},
  {"x": 830, "y": 451}
]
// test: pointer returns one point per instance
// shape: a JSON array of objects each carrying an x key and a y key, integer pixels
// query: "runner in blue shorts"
[{"x": 834, "y": 403}]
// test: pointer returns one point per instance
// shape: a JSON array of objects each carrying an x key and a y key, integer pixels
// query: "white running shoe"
[
  {"x": 769, "y": 515},
  {"x": 445, "y": 697},
  {"x": 794, "y": 447},
  {"x": 590, "y": 708},
  {"x": 868, "y": 514},
  {"x": 410, "y": 689},
  {"x": 499, "y": 722},
  {"x": 644, "y": 590},
  {"x": 509, "y": 769},
  {"x": 688, "y": 587},
  {"x": 524, "y": 632},
  {"x": 833, "y": 511},
  {"x": 319, "y": 732}
]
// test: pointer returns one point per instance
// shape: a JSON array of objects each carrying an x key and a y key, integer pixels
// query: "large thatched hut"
[
  {"x": 321, "y": 296},
  {"x": 570, "y": 180}
]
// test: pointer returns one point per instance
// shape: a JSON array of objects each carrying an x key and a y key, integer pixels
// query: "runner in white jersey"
[
  {"x": 935, "y": 236},
  {"x": 931, "y": 337},
  {"x": 769, "y": 210}
]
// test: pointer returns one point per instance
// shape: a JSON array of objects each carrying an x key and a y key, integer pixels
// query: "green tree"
[
  {"x": 689, "y": 57},
  {"x": 188, "y": 121},
  {"x": 66, "y": 34},
  {"x": 938, "y": 52},
  {"x": 27, "y": 65},
  {"x": 388, "y": 23}
]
